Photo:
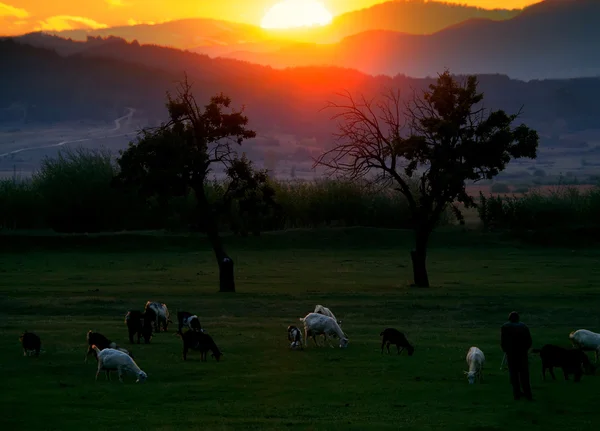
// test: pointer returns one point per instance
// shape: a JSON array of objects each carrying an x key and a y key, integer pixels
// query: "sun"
[{"x": 296, "y": 13}]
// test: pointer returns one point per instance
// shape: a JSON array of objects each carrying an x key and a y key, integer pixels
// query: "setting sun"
[{"x": 296, "y": 13}]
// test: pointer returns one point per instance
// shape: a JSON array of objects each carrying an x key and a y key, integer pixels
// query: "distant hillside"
[
  {"x": 548, "y": 40},
  {"x": 47, "y": 96},
  {"x": 215, "y": 37},
  {"x": 107, "y": 77},
  {"x": 183, "y": 34},
  {"x": 406, "y": 16}
]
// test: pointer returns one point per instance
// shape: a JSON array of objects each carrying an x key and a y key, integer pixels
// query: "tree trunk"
[
  {"x": 226, "y": 278},
  {"x": 419, "y": 258},
  {"x": 211, "y": 227}
]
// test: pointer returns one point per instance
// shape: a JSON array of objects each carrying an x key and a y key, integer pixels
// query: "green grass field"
[{"x": 61, "y": 288}]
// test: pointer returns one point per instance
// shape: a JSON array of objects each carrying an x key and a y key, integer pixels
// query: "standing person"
[{"x": 515, "y": 340}]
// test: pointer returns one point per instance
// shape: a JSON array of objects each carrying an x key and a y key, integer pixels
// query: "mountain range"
[
  {"x": 546, "y": 40},
  {"x": 550, "y": 39},
  {"x": 406, "y": 16},
  {"x": 107, "y": 75}
]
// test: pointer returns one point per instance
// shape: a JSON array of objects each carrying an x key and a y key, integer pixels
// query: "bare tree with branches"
[
  {"x": 426, "y": 148},
  {"x": 178, "y": 156}
]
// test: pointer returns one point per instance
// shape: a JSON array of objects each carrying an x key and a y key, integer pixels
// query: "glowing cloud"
[
  {"x": 131, "y": 21},
  {"x": 116, "y": 3},
  {"x": 11, "y": 11},
  {"x": 68, "y": 22}
]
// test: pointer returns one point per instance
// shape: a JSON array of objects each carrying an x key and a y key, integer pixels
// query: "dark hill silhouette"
[
  {"x": 548, "y": 40},
  {"x": 99, "y": 82}
]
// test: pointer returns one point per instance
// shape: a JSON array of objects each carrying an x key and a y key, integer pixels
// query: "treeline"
[{"x": 75, "y": 193}]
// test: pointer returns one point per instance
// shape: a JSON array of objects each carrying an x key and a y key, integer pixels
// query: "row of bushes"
[{"x": 73, "y": 193}]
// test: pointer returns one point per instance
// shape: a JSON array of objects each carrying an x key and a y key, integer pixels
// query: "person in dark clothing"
[{"x": 515, "y": 340}]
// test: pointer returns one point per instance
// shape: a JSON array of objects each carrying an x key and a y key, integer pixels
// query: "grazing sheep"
[
  {"x": 162, "y": 315},
  {"x": 475, "y": 361},
  {"x": 188, "y": 320},
  {"x": 295, "y": 337},
  {"x": 201, "y": 341},
  {"x": 138, "y": 324},
  {"x": 101, "y": 342},
  {"x": 115, "y": 360},
  {"x": 393, "y": 336},
  {"x": 585, "y": 340},
  {"x": 316, "y": 324},
  {"x": 31, "y": 343},
  {"x": 570, "y": 360},
  {"x": 326, "y": 312}
]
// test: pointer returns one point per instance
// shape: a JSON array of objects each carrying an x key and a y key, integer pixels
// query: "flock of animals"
[
  {"x": 571, "y": 361},
  {"x": 322, "y": 321}
]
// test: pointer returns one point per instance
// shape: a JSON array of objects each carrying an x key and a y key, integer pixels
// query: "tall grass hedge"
[
  {"x": 561, "y": 211},
  {"x": 73, "y": 192}
]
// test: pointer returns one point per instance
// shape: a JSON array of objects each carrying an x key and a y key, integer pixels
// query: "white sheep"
[
  {"x": 475, "y": 361},
  {"x": 115, "y": 360},
  {"x": 326, "y": 312},
  {"x": 585, "y": 340},
  {"x": 317, "y": 324}
]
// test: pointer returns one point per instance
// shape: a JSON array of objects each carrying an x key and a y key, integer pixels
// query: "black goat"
[
  {"x": 138, "y": 323},
  {"x": 200, "y": 341},
  {"x": 101, "y": 342},
  {"x": 393, "y": 336},
  {"x": 571, "y": 361},
  {"x": 31, "y": 343}
]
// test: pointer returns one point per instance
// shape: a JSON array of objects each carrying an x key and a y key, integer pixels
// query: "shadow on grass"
[{"x": 324, "y": 239}]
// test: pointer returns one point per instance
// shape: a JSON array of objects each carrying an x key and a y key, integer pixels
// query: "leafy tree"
[
  {"x": 177, "y": 156},
  {"x": 428, "y": 149}
]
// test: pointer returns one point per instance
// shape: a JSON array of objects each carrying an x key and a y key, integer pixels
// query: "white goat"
[
  {"x": 162, "y": 314},
  {"x": 115, "y": 360},
  {"x": 585, "y": 340},
  {"x": 317, "y": 324},
  {"x": 475, "y": 361},
  {"x": 326, "y": 312}
]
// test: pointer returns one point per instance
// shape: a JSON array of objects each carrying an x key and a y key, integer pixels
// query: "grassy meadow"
[{"x": 62, "y": 286}]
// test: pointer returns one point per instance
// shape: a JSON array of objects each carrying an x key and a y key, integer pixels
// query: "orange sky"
[{"x": 21, "y": 16}]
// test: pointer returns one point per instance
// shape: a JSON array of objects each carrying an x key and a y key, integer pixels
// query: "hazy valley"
[{"x": 101, "y": 91}]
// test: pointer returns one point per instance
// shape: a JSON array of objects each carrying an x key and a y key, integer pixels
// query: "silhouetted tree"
[
  {"x": 428, "y": 150},
  {"x": 177, "y": 156},
  {"x": 253, "y": 193}
]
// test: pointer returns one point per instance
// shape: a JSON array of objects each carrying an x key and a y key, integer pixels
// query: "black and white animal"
[
  {"x": 572, "y": 361},
  {"x": 101, "y": 343},
  {"x": 115, "y": 360},
  {"x": 200, "y": 341},
  {"x": 138, "y": 324},
  {"x": 161, "y": 315},
  {"x": 393, "y": 336},
  {"x": 295, "y": 337},
  {"x": 317, "y": 324},
  {"x": 188, "y": 320},
  {"x": 31, "y": 343},
  {"x": 586, "y": 340}
]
